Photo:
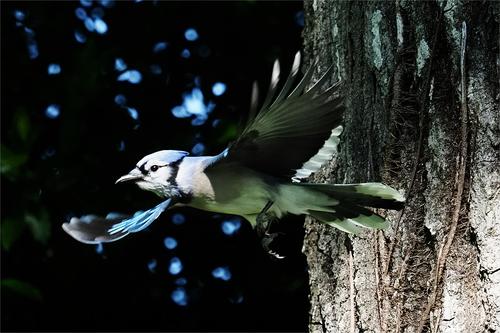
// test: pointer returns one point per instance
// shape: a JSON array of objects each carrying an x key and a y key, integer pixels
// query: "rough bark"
[{"x": 422, "y": 88}]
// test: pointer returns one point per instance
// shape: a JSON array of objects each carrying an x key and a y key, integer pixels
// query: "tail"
[{"x": 346, "y": 208}]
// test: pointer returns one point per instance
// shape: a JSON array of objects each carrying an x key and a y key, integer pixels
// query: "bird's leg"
[{"x": 264, "y": 222}]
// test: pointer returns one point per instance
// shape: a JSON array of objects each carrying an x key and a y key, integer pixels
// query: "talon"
[
  {"x": 266, "y": 242},
  {"x": 276, "y": 255}
]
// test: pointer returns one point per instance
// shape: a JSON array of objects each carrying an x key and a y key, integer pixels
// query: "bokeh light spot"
[
  {"x": 81, "y": 13},
  {"x": 222, "y": 273},
  {"x": 107, "y": 3},
  {"x": 191, "y": 34},
  {"x": 175, "y": 266},
  {"x": 185, "y": 53},
  {"x": 152, "y": 265},
  {"x": 133, "y": 113},
  {"x": 193, "y": 104},
  {"x": 181, "y": 281},
  {"x": 180, "y": 112},
  {"x": 198, "y": 149},
  {"x": 133, "y": 76},
  {"x": 229, "y": 227},
  {"x": 53, "y": 111},
  {"x": 80, "y": 37},
  {"x": 100, "y": 26},
  {"x": 178, "y": 218},
  {"x": 170, "y": 243},
  {"x": 99, "y": 248},
  {"x": 120, "y": 99},
  {"x": 160, "y": 46},
  {"x": 89, "y": 24},
  {"x": 121, "y": 147},
  {"x": 218, "y": 88},
  {"x": 54, "y": 69},
  {"x": 179, "y": 296},
  {"x": 86, "y": 3},
  {"x": 120, "y": 64},
  {"x": 19, "y": 15}
]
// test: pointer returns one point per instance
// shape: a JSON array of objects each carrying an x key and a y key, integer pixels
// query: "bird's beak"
[{"x": 132, "y": 175}]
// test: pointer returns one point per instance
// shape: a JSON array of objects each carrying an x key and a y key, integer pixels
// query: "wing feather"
[{"x": 291, "y": 128}]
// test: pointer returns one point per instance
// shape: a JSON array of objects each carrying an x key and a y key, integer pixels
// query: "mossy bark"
[{"x": 422, "y": 94}]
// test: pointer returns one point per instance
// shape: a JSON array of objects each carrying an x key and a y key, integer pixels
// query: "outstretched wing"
[
  {"x": 291, "y": 127},
  {"x": 92, "y": 229}
]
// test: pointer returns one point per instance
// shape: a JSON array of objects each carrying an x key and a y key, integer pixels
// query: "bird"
[{"x": 264, "y": 171}]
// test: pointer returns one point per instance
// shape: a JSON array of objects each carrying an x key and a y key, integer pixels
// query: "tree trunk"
[{"x": 421, "y": 86}]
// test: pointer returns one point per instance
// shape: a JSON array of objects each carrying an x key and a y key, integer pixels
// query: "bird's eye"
[{"x": 154, "y": 168}]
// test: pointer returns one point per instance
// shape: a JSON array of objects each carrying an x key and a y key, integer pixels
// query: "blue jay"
[{"x": 295, "y": 132}]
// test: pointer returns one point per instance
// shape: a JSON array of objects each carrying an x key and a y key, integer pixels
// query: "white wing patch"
[{"x": 322, "y": 156}]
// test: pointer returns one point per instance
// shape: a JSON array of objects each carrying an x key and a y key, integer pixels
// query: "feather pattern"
[
  {"x": 322, "y": 156},
  {"x": 292, "y": 128},
  {"x": 93, "y": 229}
]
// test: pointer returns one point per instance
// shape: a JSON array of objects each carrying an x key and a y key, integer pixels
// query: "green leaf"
[
  {"x": 39, "y": 225},
  {"x": 11, "y": 230},
  {"x": 10, "y": 161},
  {"x": 22, "y": 288},
  {"x": 22, "y": 122}
]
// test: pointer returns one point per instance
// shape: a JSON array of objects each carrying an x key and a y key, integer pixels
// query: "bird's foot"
[
  {"x": 266, "y": 242},
  {"x": 263, "y": 227}
]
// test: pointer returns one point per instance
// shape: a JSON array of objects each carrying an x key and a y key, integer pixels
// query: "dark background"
[{"x": 53, "y": 168}]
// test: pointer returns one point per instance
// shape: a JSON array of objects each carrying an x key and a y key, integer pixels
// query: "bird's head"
[{"x": 157, "y": 172}]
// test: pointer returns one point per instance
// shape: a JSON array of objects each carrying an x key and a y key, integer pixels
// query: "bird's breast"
[{"x": 231, "y": 190}]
